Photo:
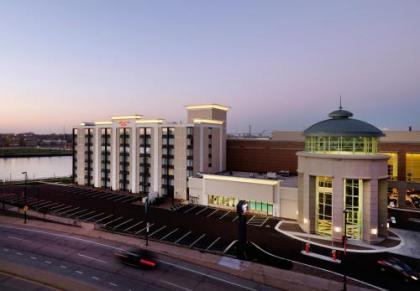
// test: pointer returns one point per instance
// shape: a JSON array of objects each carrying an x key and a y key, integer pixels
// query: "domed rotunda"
[{"x": 342, "y": 180}]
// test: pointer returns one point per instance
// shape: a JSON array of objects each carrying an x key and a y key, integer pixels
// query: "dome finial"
[{"x": 340, "y": 107}]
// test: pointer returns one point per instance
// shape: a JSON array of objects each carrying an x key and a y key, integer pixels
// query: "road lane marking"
[
  {"x": 95, "y": 278},
  {"x": 62, "y": 208},
  {"x": 168, "y": 234},
  {"x": 197, "y": 240},
  {"x": 33, "y": 258},
  {"x": 69, "y": 237},
  {"x": 68, "y": 210},
  {"x": 92, "y": 258},
  {"x": 63, "y": 267},
  {"x": 71, "y": 213},
  {"x": 79, "y": 272},
  {"x": 58, "y": 206},
  {"x": 235, "y": 218},
  {"x": 215, "y": 241},
  {"x": 19, "y": 254},
  {"x": 206, "y": 275},
  {"x": 112, "y": 284},
  {"x": 47, "y": 262},
  {"x": 182, "y": 237},
  {"x": 175, "y": 285},
  {"x": 134, "y": 225},
  {"x": 15, "y": 237},
  {"x": 5, "y": 249}
]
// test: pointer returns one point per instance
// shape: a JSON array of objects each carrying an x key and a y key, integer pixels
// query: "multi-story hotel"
[{"x": 138, "y": 155}]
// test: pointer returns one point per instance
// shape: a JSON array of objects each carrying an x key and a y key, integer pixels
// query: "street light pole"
[
  {"x": 25, "y": 207},
  {"x": 345, "y": 211}
]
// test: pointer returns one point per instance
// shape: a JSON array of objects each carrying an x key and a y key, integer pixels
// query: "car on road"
[
  {"x": 398, "y": 268},
  {"x": 139, "y": 258}
]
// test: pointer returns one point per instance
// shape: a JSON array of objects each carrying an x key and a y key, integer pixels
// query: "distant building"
[{"x": 130, "y": 153}]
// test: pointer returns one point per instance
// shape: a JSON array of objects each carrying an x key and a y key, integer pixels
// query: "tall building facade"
[{"x": 138, "y": 155}]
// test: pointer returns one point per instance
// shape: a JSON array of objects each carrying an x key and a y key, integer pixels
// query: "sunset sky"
[{"x": 278, "y": 64}]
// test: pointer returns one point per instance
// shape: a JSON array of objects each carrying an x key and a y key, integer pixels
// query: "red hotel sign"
[{"x": 123, "y": 123}]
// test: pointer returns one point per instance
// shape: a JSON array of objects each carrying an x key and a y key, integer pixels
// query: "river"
[{"x": 39, "y": 167}]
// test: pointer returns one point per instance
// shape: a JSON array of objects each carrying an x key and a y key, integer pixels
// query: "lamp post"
[
  {"x": 241, "y": 209},
  {"x": 345, "y": 211},
  {"x": 25, "y": 207},
  {"x": 146, "y": 210}
]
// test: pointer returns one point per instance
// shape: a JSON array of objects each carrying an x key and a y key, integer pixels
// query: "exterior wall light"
[
  {"x": 387, "y": 225},
  {"x": 374, "y": 231},
  {"x": 337, "y": 229},
  {"x": 305, "y": 221},
  {"x": 297, "y": 212}
]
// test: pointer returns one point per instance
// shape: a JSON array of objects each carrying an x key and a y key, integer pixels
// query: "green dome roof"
[{"x": 341, "y": 124}]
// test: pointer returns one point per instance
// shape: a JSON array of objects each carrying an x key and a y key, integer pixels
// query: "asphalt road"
[
  {"x": 93, "y": 262},
  {"x": 188, "y": 227}
]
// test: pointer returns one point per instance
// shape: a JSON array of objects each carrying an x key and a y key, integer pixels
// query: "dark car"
[
  {"x": 395, "y": 266},
  {"x": 137, "y": 258}
]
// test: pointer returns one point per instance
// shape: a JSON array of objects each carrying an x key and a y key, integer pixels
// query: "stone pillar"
[
  {"x": 337, "y": 209},
  {"x": 134, "y": 160},
  {"x": 382, "y": 208},
  {"x": 97, "y": 157},
  {"x": 370, "y": 211},
  {"x": 115, "y": 150}
]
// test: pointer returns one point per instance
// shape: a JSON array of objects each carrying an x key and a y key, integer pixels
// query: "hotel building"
[{"x": 138, "y": 155}]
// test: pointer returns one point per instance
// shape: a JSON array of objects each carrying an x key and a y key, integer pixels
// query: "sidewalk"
[{"x": 278, "y": 278}]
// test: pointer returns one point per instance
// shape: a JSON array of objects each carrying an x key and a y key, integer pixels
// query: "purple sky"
[{"x": 277, "y": 64}]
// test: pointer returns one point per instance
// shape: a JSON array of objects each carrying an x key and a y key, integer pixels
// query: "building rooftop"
[{"x": 341, "y": 123}]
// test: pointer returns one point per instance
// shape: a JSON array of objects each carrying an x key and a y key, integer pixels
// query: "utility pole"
[{"x": 25, "y": 207}]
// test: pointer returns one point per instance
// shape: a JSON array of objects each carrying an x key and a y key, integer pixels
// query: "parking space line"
[
  {"x": 46, "y": 205},
  {"x": 98, "y": 195},
  {"x": 62, "y": 208},
  {"x": 263, "y": 222},
  {"x": 116, "y": 219},
  {"x": 156, "y": 231},
  {"x": 40, "y": 203},
  {"x": 168, "y": 234},
  {"x": 89, "y": 213},
  {"x": 221, "y": 217},
  {"x": 68, "y": 211},
  {"x": 78, "y": 212},
  {"x": 125, "y": 222},
  {"x": 150, "y": 225},
  {"x": 200, "y": 211},
  {"x": 235, "y": 218},
  {"x": 175, "y": 285},
  {"x": 182, "y": 237},
  {"x": 58, "y": 206},
  {"x": 197, "y": 240},
  {"x": 130, "y": 200},
  {"x": 113, "y": 197},
  {"x": 212, "y": 244},
  {"x": 229, "y": 246},
  {"x": 212, "y": 213},
  {"x": 103, "y": 218},
  {"x": 134, "y": 225},
  {"x": 188, "y": 210},
  {"x": 96, "y": 215},
  {"x": 250, "y": 219},
  {"x": 120, "y": 197}
]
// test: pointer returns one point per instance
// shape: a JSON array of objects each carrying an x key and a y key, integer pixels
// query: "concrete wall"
[{"x": 288, "y": 203}]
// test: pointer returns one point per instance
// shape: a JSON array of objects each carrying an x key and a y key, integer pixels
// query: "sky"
[{"x": 278, "y": 65}]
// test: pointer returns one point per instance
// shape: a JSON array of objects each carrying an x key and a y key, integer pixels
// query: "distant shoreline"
[{"x": 33, "y": 152}]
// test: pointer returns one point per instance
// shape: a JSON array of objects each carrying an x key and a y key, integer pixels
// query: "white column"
[
  {"x": 114, "y": 152},
  {"x": 96, "y": 158},
  {"x": 156, "y": 145},
  {"x": 337, "y": 208},
  {"x": 134, "y": 160}
]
